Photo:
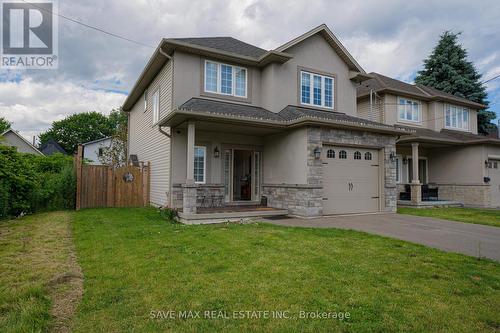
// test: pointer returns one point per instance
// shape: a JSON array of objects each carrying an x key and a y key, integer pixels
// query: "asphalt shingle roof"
[
  {"x": 288, "y": 114},
  {"x": 381, "y": 82},
  {"x": 448, "y": 135},
  {"x": 230, "y": 109},
  {"x": 228, "y": 44}
]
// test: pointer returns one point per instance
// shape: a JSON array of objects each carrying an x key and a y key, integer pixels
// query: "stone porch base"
[{"x": 429, "y": 204}]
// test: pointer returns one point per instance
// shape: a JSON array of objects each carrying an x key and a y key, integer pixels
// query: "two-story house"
[
  {"x": 226, "y": 123},
  {"x": 445, "y": 153}
]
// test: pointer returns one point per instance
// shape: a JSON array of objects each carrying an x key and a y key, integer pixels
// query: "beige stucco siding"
[
  {"x": 188, "y": 72},
  {"x": 457, "y": 165},
  {"x": 433, "y": 115},
  {"x": 285, "y": 158},
  {"x": 147, "y": 142},
  {"x": 391, "y": 112},
  {"x": 280, "y": 82}
]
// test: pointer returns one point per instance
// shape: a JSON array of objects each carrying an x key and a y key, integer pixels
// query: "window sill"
[
  {"x": 312, "y": 106},
  {"x": 410, "y": 122},
  {"x": 226, "y": 97},
  {"x": 457, "y": 129}
]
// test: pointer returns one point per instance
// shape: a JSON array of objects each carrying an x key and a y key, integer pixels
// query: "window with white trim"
[
  {"x": 200, "y": 159},
  {"x": 398, "y": 169},
  {"x": 225, "y": 79},
  {"x": 456, "y": 117},
  {"x": 316, "y": 90},
  {"x": 156, "y": 106},
  {"x": 409, "y": 110}
]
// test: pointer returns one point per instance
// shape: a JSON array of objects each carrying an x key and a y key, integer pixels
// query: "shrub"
[
  {"x": 169, "y": 214},
  {"x": 30, "y": 183}
]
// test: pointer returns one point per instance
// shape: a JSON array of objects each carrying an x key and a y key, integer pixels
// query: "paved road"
[{"x": 470, "y": 239}]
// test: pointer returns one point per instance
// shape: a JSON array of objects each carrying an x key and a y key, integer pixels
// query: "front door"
[{"x": 241, "y": 174}]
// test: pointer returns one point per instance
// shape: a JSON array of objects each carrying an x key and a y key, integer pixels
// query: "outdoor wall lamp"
[
  {"x": 317, "y": 153},
  {"x": 216, "y": 152},
  {"x": 392, "y": 156}
]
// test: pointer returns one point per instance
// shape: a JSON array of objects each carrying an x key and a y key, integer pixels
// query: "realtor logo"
[{"x": 29, "y": 34}]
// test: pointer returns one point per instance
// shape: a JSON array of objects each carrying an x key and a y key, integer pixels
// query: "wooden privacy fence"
[{"x": 104, "y": 186}]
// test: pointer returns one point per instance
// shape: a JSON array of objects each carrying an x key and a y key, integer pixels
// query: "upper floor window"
[
  {"x": 316, "y": 90},
  {"x": 225, "y": 79},
  {"x": 409, "y": 110},
  {"x": 456, "y": 117},
  {"x": 156, "y": 106}
]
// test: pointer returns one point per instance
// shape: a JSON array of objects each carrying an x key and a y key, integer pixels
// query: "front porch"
[{"x": 435, "y": 173}]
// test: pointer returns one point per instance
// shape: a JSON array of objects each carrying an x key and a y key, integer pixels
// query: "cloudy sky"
[{"x": 96, "y": 70}]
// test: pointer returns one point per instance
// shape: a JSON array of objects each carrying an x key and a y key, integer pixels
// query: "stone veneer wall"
[
  {"x": 302, "y": 200},
  {"x": 307, "y": 199},
  {"x": 201, "y": 190},
  {"x": 470, "y": 195}
]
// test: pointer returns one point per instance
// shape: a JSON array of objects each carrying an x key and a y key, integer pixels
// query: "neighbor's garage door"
[
  {"x": 350, "y": 180},
  {"x": 494, "y": 174}
]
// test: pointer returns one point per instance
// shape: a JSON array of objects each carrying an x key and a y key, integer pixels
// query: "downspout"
[
  {"x": 159, "y": 126},
  {"x": 371, "y": 104}
]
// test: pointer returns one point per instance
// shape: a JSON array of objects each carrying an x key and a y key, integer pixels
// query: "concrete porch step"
[
  {"x": 231, "y": 216},
  {"x": 430, "y": 204}
]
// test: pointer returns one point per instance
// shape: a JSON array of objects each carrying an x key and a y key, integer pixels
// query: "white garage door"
[
  {"x": 350, "y": 180},
  {"x": 494, "y": 174}
]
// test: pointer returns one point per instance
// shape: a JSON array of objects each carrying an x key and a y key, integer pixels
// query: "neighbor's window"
[
  {"x": 199, "y": 164},
  {"x": 100, "y": 152},
  {"x": 456, "y": 117},
  {"x": 225, "y": 79},
  {"x": 316, "y": 90},
  {"x": 156, "y": 106},
  {"x": 409, "y": 110}
]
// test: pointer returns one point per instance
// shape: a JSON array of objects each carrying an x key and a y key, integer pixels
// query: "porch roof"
[
  {"x": 290, "y": 116},
  {"x": 446, "y": 136}
]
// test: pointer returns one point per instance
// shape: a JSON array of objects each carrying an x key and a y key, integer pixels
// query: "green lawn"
[
  {"x": 467, "y": 215},
  {"x": 40, "y": 282},
  {"x": 137, "y": 266}
]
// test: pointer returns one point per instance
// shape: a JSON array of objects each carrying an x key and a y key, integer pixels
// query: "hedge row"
[{"x": 30, "y": 183}]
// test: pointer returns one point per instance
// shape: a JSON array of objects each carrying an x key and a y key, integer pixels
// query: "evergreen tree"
[{"x": 448, "y": 70}]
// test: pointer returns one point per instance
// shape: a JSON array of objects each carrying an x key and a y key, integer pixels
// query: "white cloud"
[
  {"x": 391, "y": 37},
  {"x": 32, "y": 106}
]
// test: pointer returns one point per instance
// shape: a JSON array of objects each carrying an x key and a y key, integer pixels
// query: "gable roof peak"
[{"x": 331, "y": 39}]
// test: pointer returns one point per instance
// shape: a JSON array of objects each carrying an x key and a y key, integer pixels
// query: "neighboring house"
[
  {"x": 14, "y": 139},
  {"x": 94, "y": 149},
  {"x": 220, "y": 118},
  {"x": 446, "y": 150},
  {"x": 52, "y": 147}
]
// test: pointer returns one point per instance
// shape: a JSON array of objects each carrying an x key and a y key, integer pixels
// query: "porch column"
[
  {"x": 189, "y": 189},
  {"x": 190, "y": 153},
  {"x": 416, "y": 186}
]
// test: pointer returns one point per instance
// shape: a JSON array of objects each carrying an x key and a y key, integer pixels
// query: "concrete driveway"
[{"x": 471, "y": 239}]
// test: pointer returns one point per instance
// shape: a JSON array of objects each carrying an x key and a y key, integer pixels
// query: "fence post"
[
  {"x": 146, "y": 184},
  {"x": 110, "y": 191},
  {"x": 78, "y": 168}
]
